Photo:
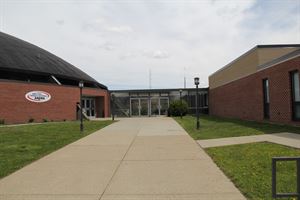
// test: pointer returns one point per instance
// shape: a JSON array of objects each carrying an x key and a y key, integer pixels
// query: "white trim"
[{"x": 57, "y": 81}]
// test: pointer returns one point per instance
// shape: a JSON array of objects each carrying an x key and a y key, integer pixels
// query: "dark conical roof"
[{"x": 18, "y": 55}]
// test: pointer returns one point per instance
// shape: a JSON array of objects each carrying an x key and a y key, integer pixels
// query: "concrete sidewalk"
[
  {"x": 136, "y": 158},
  {"x": 287, "y": 139}
]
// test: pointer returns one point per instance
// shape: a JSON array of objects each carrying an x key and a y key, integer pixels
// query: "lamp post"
[
  {"x": 196, "y": 80},
  {"x": 113, "y": 106},
  {"x": 180, "y": 92},
  {"x": 81, "y": 85}
]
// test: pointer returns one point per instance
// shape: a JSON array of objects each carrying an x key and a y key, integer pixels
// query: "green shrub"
[
  {"x": 177, "y": 108},
  {"x": 2, "y": 121},
  {"x": 30, "y": 120},
  {"x": 45, "y": 120}
]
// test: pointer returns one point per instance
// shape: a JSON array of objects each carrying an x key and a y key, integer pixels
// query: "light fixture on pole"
[
  {"x": 196, "y": 80},
  {"x": 81, "y": 85}
]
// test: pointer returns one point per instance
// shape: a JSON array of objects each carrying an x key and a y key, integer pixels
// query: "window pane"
[
  {"x": 164, "y": 104},
  {"x": 164, "y": 94},
  {"x": 266, "y": 99},
  {"x": 143, "y": 94},
  {"x": 296, "y": 87},
  {"x": 297, "y": 111},
  {"x": 134, "y": 94},
  {"x": 154, "y": 106},
  {"x": 134, "y": 107},
  {"x": 267, "y": 91},
  {"x": 154, "y": 94}
]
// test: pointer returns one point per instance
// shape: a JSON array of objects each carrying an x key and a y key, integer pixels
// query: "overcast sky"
[{"x": 119, "y": 42}]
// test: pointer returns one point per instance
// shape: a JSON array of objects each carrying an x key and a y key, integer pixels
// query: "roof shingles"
[{"x": 16, "y": 54}]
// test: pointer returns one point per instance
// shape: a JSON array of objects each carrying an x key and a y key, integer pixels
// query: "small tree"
[{"x": 177, "y": 108}]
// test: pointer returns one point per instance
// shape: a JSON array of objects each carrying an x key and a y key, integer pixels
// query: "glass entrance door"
[
  {"x": 164, "y": 105},
  {"x": 89, "y": 106},
  {"x": 154, "y": 106},
  {"x": 135, "y": 107},
  {"x": 144, "y": 107},
  {"x": 139, "y": 107}
]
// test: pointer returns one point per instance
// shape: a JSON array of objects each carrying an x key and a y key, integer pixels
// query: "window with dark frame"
[
  {"x": 295, "y": 85},
  {"x": 266, "y": 98}
]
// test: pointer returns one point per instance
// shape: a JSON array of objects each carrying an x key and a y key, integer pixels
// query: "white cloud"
[
  {"x": 108, "y": 46},
  {"x": 112, "y": 41},
  {"x": 128, "y": 55},
  {"x": 119, "y": 29},
  {"x": 60, "y": 21},
  {"x": 160, "y": 54},
  {"x": 157, "y": 54}
]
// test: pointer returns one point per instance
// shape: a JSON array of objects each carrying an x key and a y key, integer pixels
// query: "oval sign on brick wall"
[{"x": 38, "y": 96}]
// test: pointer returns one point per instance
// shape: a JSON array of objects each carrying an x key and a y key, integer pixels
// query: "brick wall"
[
  {"x": 243, "y": 98},
  {"x": 15, "y": 108}
]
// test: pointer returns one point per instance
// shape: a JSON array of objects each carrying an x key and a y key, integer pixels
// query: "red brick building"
[
  {"x": 261, "y": 85},
  {"x": 37, "y": 85}
]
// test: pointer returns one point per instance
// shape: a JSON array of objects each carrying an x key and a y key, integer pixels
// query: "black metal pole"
[
  {"x": 113, "y": 107},
  {"x": 298, "y": 178},
  {"x": 149, "y": 105},
  {"x": 197, "y": 109},
  {"x": 181, "y": 104},
  {"x": 273, "y": 178},
  {"x": 81, "y": 120}
]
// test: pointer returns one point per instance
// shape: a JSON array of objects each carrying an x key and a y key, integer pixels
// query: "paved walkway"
[
  {"x": 133, "y": 159},
  {"x": 287, "y": 139}
]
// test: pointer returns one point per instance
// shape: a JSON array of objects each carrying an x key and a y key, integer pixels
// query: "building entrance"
[
  {"x": 149, "y": 106},
  {"x": 155, "y": 102},
  {"x": 139, "y": 107},
  {"x": 88, "y": 105}
]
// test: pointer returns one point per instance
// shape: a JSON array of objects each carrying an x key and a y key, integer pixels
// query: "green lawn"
[
  {"x": 215, "y": 127},
  {"x": 249, "y": 167},
  {"x": 20, "y": 145}
]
